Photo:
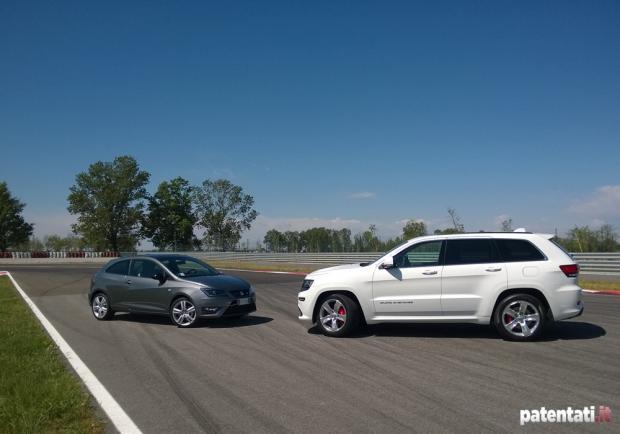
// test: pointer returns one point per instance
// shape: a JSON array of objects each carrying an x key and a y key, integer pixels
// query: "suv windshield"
[{"x": 188, "y": 267}]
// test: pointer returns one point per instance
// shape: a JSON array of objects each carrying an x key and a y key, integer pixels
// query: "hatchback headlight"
[
  {"x": 213, "y": 292},
  {"x": 306, "y": 284}
]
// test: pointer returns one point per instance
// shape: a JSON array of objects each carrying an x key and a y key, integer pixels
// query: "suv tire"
[
  {"x": 519, "y": 317},
  {"x": 338, "y": 315}
]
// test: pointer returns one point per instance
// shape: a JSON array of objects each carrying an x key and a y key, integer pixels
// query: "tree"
[
  {"x": 170, "y": 219},
  {"x": 456, "y": 221},
  {"x": 413, "y": 229},
  {"x": 507, "y": 225},
  {"x": 274, "y": 240},
  {"x": 108, "y": 199},
  {"x": 13, "y": 228},
  {"x": 56, "y": 243},
  {"x": 447, "y": 231},
  {"x": 224, "y": 211},
  {"x": 607, "y": 239}
]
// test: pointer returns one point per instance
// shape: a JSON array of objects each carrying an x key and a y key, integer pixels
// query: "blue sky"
[{"x": 330, "y": 113}]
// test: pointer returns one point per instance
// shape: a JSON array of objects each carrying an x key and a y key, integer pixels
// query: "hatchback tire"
[
  {"x": 100, "y": 307},
  {"x": 338, "y": 315},
  {"x": 519, "y": 317},
  {"x": 183, "y": 312}
]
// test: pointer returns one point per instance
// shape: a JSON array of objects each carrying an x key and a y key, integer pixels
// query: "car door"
[
  {"x": 146, "y": 292},
  {"x": 472, "y": 275},
  {"x": 413, "y": 286},
  {"x": 115, "y": 283}
]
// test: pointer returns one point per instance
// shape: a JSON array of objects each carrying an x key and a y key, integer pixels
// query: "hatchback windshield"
[{"x": 188, "y": 267}]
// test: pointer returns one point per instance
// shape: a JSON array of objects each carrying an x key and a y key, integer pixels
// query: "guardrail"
[
  {"x": 46, "y": 254},
  {"x": 590, "y": 263}
]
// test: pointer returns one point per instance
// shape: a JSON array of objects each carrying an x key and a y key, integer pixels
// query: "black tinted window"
[
  {"x": 518, "y": 250},
  {"x": 143, "y": 268},
  {"x": 472, "y": 251},
  {"x": 121, "y": 268},
  {"x": 420, "y": 255}
]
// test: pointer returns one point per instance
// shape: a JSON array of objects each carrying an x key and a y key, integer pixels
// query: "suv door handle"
[
  {"x": 128, "y": 281},
  {"x": 429, "y": 272},
  {"x": 492, "y": 269}
]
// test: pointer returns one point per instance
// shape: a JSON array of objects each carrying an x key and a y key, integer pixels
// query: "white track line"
[{"x": 112, "y": 409}]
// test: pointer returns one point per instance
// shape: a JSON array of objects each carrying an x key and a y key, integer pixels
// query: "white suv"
[{"x": 513, "y": 280}]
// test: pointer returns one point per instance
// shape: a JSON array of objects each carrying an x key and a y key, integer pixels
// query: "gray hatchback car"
[{"x": 177, "y": 285}]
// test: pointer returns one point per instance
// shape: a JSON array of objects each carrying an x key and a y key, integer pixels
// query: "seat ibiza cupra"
[
  {"x": 515, "y": 281},
  {"x": 180, "y": 286}
]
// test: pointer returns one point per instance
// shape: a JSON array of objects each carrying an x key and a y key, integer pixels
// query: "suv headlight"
[
  {"x": 306, "y": 284},
  {"x": 213, "y": 292}
]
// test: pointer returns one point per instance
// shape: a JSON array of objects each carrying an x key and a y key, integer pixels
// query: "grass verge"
[
  {"x": 37, "y": 392},
  {"x": 599, "y": 285}
]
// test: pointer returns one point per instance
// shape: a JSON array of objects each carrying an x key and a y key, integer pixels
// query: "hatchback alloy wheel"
[{"x": 183, "y": 312}]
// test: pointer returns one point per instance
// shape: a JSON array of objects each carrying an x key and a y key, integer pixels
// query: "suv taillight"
[{"x": 571, "y": 270}]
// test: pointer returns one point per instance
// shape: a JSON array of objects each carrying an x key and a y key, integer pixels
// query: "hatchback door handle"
[
  {"x": 429, "y": 272},
  {"x": 494, "y": 269},
  {"x": 128, "y": 281}
]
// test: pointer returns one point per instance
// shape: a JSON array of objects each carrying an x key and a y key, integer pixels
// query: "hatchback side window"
[
  {"x": 121, "y": 267},
  {"x": 420, "y": 255},
  {"x": 471, "y": 251},
  {"x": 143, "y": 268},
  {"x": 518, "y": 250}
]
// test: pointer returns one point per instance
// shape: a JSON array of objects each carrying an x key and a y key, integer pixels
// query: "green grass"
[
  {"x": 37, "y": 392},
  {"x": 599, "y": 285}
]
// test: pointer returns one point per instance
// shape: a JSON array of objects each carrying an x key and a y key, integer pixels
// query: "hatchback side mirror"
[
  {"x": 387, "y": 263},
  {"x": 161, "y": 276}
]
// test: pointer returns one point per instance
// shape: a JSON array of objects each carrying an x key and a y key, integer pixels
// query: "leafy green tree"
[
  {"x": 367, "y": 241},
  {"x": 13, "y": 228},
  {"x": 446, "y": 231},
  {"x": 108, "y": 200},
  {"x": 293, "y": 241},
  {"x": 413, "y": 229},
  {"x": 170, "y": 219},
  {"x": 607, "y": 239},
  {"x": 224, "y": 211},
  {"x": 274, "y": 240},
  {"x": 56, "y": 243}
]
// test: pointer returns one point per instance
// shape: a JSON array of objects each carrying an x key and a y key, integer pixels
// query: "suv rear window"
[
  {"x": 121, "y": 267},
  {"x": 518, "y": 251},
  {"x": 472, "y": 251}
]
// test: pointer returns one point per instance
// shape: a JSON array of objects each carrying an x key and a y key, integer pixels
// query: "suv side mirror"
[
  {"x": 387, "y": 263},
  {"x": 161, "y": 276}
]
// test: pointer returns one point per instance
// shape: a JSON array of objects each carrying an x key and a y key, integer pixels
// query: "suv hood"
[
  {"x": 347, "y": 267},
  {"x": 220, "y": 281}
]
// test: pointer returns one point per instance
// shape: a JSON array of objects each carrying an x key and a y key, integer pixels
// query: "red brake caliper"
[
  {"x": 508, "y": 318},
  {"x": 341, "y": 311}
]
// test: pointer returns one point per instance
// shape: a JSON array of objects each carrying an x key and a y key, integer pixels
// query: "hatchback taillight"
[{"x": 571, "y": 270}]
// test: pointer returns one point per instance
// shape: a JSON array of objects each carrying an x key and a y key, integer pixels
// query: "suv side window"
[
  {"x": 518, "y": 250},
  {"x": 420, "y": 255},
  {"x": 143, "y": 268},
  {"x": 121, "y": 267},
  {"x": 471, "y": 251}
]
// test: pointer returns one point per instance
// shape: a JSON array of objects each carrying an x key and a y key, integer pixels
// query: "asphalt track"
[{"x": 268, "y": 373}]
